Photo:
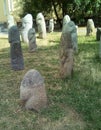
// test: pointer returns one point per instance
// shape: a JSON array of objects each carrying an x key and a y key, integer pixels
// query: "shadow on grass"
[{"x": 82, "y": 92}]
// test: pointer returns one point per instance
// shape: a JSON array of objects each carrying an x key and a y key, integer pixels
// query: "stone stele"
[
  {"x": 32, "y": 91},
  {"x": 100, "y": 47},
  {"x": 32, "y": 40},
  {"x": 90, "y": 27},
  {"x": 41, "y": 25},
  {"x": 51, "y": 25},
  {"x": 66, "y": 19},
  {"x": 72, "y": 29},
  {"x": 17, "y": 62},
  {"x": 66, "y": 53},
  {"x": 98, "y": 34},
  {"x": 10, "y": 21},
  {"x": 27, "y": 23}
]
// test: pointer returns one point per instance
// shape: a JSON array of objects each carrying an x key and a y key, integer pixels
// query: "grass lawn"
[{"x": 73, "y": 104}]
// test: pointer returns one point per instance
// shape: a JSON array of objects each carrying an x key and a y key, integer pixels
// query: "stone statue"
[
  {"x": 10, "y": 21},
  {"x": 90, "y": 27},
  {"x": 100, "y": 47},
  {"x": 32, "y": 91},
  {"x": 98, "y": 34},
  {"x": 71, "y": 27},
  {"x": 66, "y": 56},
  {"x": 41, "y": 25},
  {"x": 51, "y": 25},
  {"x": 66, "y": 20},
  {"x": 32, "y": 40},
  {"x": 27, "y": 23},
  {"x": 17, "y": 62}
]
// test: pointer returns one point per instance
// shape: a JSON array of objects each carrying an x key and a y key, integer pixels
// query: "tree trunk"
[{"x": 58, "y": 19}]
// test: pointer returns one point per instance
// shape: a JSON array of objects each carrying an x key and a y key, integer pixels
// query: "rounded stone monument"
[
  {"x": 51, "y": 25},
  {"x": 41, "y": 25},
  {"x": 90, "y": 27},
  {"x": 98, "y": 34},
  {"x": 17, "y": 62},
  {"x": 66, "y": 55},
  {"x": 27, "y": 23},
  {"x": 66, "y": 19},
  {"x": 32, "y": 91},
  {"x": 32, "y": 40},
  {"x": 10, "y": 21},
  {"x": 72, "y": 29}
]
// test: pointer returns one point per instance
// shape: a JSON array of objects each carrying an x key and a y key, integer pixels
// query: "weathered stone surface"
[
  {"x": 100, "y": 47},
  {"x": 68, "y": 46},
  {"x": 66, "y": 20},
  {"x": 98, "y": 34},
  {"x": 32, "y": 40},
  {"x": 27, "y": 23},
  {"x": 32, "y": 91},
  {"x": 71, "y": 28},
  {"x": 66, "y": 55},
  {"x": 10, "y": 21},
  {"x": 77, "y": 29},
  {"x": 41, "y": 25},
  {"x": 51, "y": 25},
  {"x": 17, "y": 62},
  {"x": 90, "y": 27}
]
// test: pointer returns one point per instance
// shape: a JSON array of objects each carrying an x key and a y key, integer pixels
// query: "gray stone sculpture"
[
  {"x": 32, "y": 91},
  {"x": 71, "y": 28},
  {"x": 17, "y": 62},
  {"x": 66, "y": 55},
  {"x": 66, "y": 20},
  {"x": 98, "y": 34},
  {"x": 77, "y": 29},
  {"x": 100, "y": 47},
  {"x": 51, "y": 25},
  {"x": 27, "y": 23},
  {"x": 32, "y": 40},
  {"x": 90, "y": 27},
  {"x": 41, "y": 25},
  {"x": 10, "y": 21}
]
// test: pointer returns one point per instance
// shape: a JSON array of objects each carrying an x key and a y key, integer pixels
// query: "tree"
[
  {"x": 77, "y": 9},
  {"x": 88, "y": 9}
]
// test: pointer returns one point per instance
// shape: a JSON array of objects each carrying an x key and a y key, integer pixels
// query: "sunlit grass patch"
[{"x": 73, "y": 104}]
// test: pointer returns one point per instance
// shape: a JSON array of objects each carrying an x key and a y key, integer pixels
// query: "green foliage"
[
  {"x": 36, "y": 6},
  {"x": 54, "y": 112},
  {"x": 78, "y": 10}
]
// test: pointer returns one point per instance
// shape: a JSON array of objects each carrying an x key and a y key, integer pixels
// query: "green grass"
[{"x": 73, "y": 104}]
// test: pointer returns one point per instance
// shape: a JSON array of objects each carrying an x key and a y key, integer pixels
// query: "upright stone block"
[
  {"x": 66, "y": 19},
  {"x": 72, "y": 29},
  {"x": 17, "y": 62},
  {"x": 100, "y": 47},
  {"x": 32, "y": 40},
  {"x": 32, "y": 91},
  {"x": 66, "y": 53},
  {"x": 51, "y": 25},
  {"x": 10, "y": 21},
  {"x": 90, "y": 27},
  {"x": 98, "y": 34},
  {"x": 41, "y": 25},
  {"x": 27, "y": 23}
]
